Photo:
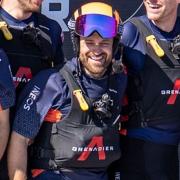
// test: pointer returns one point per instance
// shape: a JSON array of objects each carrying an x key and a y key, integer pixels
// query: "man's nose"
[{"x": 97, "y": 49}]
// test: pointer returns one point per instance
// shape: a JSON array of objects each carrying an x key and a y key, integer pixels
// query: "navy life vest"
[
  {"x": 153, "y": 93},
  {"x": 29, "y": 51},
  {"x": 80, "y": 140}
]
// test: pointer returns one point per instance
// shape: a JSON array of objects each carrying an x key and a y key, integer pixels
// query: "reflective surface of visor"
[{"x": 87, "y": 24}]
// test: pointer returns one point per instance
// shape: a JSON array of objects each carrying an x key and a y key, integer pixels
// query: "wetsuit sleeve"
[
  {"x": 34, "y": 103},
  {"x": 130, "y": 35},
  {"x": 7, "y": 90},
  {"x": 134, "y": 50}
]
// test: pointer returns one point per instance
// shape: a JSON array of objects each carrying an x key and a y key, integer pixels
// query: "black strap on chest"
[
  {"x": 69, "y": 77},
  {"x": 31, "y": 35},
  {"x": 142, "y": 27},
  {"x": 75, "y": 88}
]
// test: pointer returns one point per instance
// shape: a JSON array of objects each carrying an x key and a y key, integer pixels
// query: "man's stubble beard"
[{"x": 92, "y": 71}]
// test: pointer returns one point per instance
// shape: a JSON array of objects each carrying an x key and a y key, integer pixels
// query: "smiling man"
[
  {"x": 95, "y": 63},
  {"x": 72, "y": 115},
  {"x": 152, "y": 56}
]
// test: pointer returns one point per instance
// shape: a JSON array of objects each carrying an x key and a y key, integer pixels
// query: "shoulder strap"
[
  {"x": 139, "y": 24},
  {"x": 45, "y": 41},
  {"x": 74, "y": 87},
  {"x": 147, "y": 32},
  {"x": 41, "y": 18},
  {"x": 40, "y": 23},
  {"x": 69, "y": 78}
]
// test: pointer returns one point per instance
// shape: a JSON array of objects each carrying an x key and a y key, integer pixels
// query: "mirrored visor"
[{"x": 105, "y": 26}]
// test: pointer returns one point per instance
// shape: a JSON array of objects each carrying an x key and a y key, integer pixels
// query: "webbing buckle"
[
  {"x": 4, "y": 28},
  {"x": 154, "y": 44}
]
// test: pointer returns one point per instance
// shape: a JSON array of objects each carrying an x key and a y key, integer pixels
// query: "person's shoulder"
[
  {"x": 45, "y": 75},
  {"x": 50, "y": 77},
  {"x": 51, "y": 23},
  {"x": 42, "y": 80},
  {"x": 130, "y": 33}
]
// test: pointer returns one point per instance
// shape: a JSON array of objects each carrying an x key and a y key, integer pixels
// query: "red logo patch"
[
  {"x": 173, "y": 97},
  {"x": 23, "y": 74}
]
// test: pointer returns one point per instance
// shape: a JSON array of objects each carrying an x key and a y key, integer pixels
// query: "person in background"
[
  {"x": 7, "y": 99},
  {"x": 31, "y": 40},
  {"x": 71, "y": 128},
  {"x": 32, "y": 43},
  {"x": 152, "y": 56}
]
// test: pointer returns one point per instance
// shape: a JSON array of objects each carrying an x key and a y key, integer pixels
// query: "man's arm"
[
  {"x": 28, "y": 120},
  {"x": 4, "y": 130},
  {"x": 17, "y": 157},
  {"x": 7, "y": 99}
]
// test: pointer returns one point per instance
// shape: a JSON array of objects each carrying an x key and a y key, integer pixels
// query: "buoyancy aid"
[
  {"x": 29, "y": 50},
  {"x": 153, "y": 93},
  {"x": 79, "y": 140}
]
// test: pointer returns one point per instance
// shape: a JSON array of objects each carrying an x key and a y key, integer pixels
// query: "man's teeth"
[
  {"x": 95, "y": 58},
  {"x": 153, "y": 6}
]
